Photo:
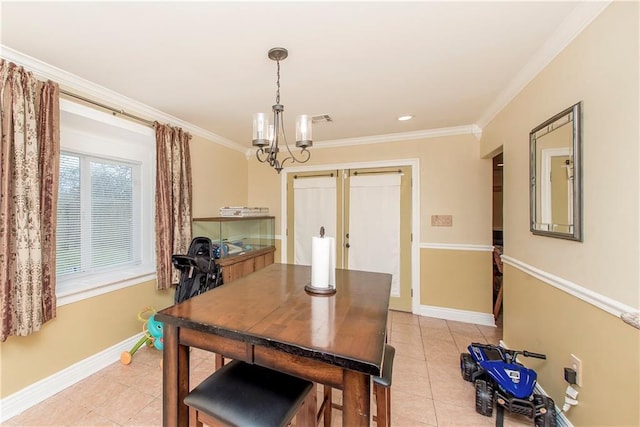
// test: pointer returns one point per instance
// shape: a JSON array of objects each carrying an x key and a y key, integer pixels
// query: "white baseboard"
[
  {"x": 456, "y": 314},
  {"x": 561, "y": 418},
  {"x": 29, "y": 396}
]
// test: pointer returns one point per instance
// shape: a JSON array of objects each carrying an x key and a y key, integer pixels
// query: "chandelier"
[{"x": 266, "y": 135}]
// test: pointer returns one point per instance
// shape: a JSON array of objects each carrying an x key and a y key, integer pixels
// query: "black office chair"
[{"x": 241, "y": 394}]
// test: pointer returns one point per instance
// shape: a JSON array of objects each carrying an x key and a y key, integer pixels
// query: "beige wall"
[
  {"x": 219, "y": 177},
  {"x": 456, "y": 279},
  {"x": 79, "y": 331},
  {"x": 453, "y": 181},
  {"x": 600, "y": 67},
  {"x": 541, "y": 318}
]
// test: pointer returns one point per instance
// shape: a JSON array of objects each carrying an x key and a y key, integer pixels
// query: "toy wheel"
[
  {"x": 484, "y": 398},
  {"x": 546, "y": 404},
  {"x": 125, "y": 358},
  {"x": 468, "y": 366}
]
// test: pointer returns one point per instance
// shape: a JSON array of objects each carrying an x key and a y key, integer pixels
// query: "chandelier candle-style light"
[{"x": 266, "y": 135}]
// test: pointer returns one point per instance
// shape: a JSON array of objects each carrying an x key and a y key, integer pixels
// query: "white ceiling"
[{"x": 449, "y": 64}]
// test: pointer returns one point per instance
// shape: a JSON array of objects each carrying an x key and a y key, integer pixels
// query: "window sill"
[{"x": 78, "y": 289}]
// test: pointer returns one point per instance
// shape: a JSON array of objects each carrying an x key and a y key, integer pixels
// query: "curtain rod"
[{"x": 106, "y": 107}]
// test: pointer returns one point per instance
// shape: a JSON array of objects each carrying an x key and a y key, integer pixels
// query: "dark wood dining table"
[{"x": 267, "y": 318}]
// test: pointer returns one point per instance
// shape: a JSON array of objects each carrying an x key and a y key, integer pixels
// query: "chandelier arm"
[{"x": 260, "y": 151}]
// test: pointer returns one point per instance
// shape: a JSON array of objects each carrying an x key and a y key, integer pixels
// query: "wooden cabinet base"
[{"x": 240, "y": 265}]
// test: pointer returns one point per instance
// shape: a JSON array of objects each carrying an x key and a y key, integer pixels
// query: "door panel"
[
  {"x": 314, "y": 201},
  {"x": 374, "y": 225},
  {"x": 378, "y": 223}
]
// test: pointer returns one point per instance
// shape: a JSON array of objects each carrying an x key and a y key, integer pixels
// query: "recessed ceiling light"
[{"x": 405, "y": 118}]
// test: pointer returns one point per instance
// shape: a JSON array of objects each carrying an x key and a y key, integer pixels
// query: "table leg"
[
  {"x": 175, "y": 379},
  {"x": 356, "y": 401}
]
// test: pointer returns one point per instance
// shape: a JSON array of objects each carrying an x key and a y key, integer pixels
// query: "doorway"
[
  {"x": 498, "y": 241},
  {"x": 368, "y": 210}
]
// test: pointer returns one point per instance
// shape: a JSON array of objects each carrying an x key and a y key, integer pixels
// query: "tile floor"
[{"x": 427, "y": 387}]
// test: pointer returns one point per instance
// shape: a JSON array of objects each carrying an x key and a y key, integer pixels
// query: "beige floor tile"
[
  {"x": 92, "y": 391},
  {"x": 150, "y": 415},
  {"x": 404, "y": 318},
  {"x": 54, "y": 411},
  {"x": 124, "y": 404},
  {"x": 411, "y": 383},
  {"x": 452, "y": 415},
  {"x": 413, "y": 338},
  {"x": 452, "y": 389},
  {"x": 463, "y": 340},
  {"x": 409, "y": 365},
  {"x": 94, "y": 419},
  {"x": 442, "y": 334},
  {"x": 438, "y": 349},
  {"x": 463, "y": 327},
  {"x": 414, "y": 351},
  {"x": 412, "y": 408},
  {"x": 433, "y": 323},
  {"x": 400, "y": 421},
  {"x": 406, "y": 329}
]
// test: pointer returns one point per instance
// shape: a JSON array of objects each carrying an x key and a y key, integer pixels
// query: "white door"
[
  {"x": 368, "y": 211},
  {"x": 374, "y": 225}
]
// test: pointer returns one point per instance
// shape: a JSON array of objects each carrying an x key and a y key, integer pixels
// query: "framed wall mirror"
[{"x": 555, "y": 170}]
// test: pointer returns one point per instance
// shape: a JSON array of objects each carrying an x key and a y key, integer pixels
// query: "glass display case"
[
  {"x": 242, "y": 245},
  {"x": 233, "y": 236}
]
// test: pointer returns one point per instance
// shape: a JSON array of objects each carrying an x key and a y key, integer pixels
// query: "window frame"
[{"x": 89, "y": 132}]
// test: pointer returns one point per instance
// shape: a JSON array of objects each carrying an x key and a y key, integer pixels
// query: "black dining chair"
[{"x": 241, "y": 394}]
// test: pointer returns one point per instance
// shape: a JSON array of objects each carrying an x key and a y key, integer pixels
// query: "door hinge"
[{"x": 411, "y": 293}]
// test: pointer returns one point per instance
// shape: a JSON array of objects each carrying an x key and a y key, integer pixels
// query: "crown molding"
[
  {"x": 583, "y": 14},
  {"x": 85, "y": 87},
  {"x": 474, "y": 130}
]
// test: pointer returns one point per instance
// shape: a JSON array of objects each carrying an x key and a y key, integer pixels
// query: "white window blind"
[{"x": 95, "y": 214}]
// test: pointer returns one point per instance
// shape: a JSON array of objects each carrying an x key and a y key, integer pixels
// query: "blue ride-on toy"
[{"x": 500, "y": 379}]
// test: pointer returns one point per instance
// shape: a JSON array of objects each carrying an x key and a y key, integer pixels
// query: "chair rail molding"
[
  {"x": 457, "y": 247},
  {"x": 603, "y": 302}
]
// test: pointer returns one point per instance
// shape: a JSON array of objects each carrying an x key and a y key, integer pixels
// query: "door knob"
[{"x": 347, "y": 245}]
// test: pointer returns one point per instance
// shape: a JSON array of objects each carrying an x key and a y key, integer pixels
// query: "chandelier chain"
[{"x": 278, "y": 84}]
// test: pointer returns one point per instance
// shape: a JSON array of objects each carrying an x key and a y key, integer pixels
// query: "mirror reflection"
[{"x": 555, "y": 176}]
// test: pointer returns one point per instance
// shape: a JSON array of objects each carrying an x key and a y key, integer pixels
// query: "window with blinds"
[
  {"x": 95, "y": 214},
  {"x": 105, "y": 233}
]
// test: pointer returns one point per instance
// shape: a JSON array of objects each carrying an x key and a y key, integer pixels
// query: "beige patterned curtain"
[
  {"x": 173, "y": 200},
  {"x": 29, "y": 158}
]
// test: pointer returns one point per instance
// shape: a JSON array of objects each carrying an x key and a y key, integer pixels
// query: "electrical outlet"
[{"x": 576, "y": 364}]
